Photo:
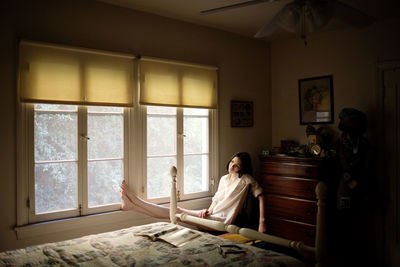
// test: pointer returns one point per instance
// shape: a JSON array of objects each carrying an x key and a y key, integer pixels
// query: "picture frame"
[
  {"x": 316, "y": 100},
  {"x": 241, "y": 113}
]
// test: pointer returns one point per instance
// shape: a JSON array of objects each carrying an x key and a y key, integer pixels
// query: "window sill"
[{"x": 91, "y": 224}]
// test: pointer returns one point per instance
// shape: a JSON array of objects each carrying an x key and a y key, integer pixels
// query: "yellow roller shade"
[
  {"x": 177, "y": 84},
  {"x": 59, "y": 74}
]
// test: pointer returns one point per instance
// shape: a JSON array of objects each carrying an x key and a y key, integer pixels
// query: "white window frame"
[
  {"x": 25, "y": 173},
  {"x": 134, "y": 164},
  {"x": 213, "y": 157}
]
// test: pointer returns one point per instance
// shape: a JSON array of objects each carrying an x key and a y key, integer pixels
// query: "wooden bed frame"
[{"x": 319, "y": 250}]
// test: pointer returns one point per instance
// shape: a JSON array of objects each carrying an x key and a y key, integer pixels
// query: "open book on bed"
[{"x": 172, "y": 234}]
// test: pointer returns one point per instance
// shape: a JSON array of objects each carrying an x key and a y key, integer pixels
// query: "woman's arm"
[
  {"x": 262, "y": 227},
  {"x": 207, "y": 212}
]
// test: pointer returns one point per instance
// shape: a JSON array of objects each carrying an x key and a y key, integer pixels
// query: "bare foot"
[
  {"x": 128, "y": 193},
  {"x": 126, "y": 203}
]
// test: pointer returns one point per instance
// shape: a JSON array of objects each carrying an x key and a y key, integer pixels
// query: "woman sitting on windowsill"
[{"x": 226, "y": 203}]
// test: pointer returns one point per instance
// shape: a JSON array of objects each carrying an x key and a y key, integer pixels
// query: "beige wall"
[
  {"x": 243, "y": 72},
  {"x": 349, "y": 55}
]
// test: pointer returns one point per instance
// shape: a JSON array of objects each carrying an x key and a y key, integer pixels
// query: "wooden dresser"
[{"x": 290, "y": 200}]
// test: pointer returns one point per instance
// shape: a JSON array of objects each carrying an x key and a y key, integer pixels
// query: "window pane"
[
  {"x": 161, "y": 110},
  {"x": 196, "y": 173},
  {"x": 106, "y": 136},
  {"x": 195, "y": 111},
  {"x": 159, "y": 177},
  {"x": 56, "y": 107},
  {"x": 161, "y": 135},
  {"x": 55, "y": 136},
  {"x": 106, "y": 142},
  {"x": 104, "y": 179},
  {"x": 196, "y": 135},
  {"x": 56, "y": 187},
  {"x": 94, "y": 109}
]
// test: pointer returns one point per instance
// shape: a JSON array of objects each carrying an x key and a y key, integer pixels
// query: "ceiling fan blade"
[
  {"x": 268, "y": 28},
  {"x": 243, "y": 4},
  {"x": 351, "y": 15},
  {"x": 319, "y": 15},
  {"x": 289, "y": 16}
]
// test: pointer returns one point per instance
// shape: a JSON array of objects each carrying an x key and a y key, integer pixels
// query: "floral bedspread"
[{"x": 126, "y": 248}]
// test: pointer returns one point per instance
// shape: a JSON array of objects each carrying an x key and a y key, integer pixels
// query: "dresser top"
[{"x": 291, "y": 159}]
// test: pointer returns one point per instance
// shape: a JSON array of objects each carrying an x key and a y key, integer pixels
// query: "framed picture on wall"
[
  {"x": 316, "y": 100},
  {"x": 241, "y": 113}
]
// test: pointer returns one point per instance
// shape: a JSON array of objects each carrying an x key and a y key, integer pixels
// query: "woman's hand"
[
  {"x": 262, "y": 227},
  {"x": 204, "y": 213}
]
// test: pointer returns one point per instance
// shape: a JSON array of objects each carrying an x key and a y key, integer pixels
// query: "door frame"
[{"x": 381, "y": 170}]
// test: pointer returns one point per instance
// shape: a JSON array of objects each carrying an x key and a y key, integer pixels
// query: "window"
[
  {"x": 179, "y": 137},
  {"x": 75, "y": 174},
  {"x": 79, "y": 155},
  {"x": 79, "y": 133}
]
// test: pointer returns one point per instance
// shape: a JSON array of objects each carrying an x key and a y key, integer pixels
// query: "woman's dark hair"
[{"x": 246, "y": 167}]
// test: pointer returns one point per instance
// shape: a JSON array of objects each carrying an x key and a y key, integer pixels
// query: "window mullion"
[
  {"x": 213, "y": 150},
  {"x": 127, "y": 145},
  {"x": 137, "y": 140},
  {"x": 82, "y": 161},
  {"x": 180, "y": 152},
  {"x": 31, "y": 161},
  {"x": 142, "y": 188}
]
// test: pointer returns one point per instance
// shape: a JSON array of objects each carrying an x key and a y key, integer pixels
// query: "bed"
[
  {"x": 127, "y": 247},
  {"x": 133, "y": 247}
]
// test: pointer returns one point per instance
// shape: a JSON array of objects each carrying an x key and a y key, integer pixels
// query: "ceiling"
[{"x": 247, "y": 20}]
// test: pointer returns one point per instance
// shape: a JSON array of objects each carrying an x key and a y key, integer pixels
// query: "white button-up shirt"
[{"x": 230, "y": 196}]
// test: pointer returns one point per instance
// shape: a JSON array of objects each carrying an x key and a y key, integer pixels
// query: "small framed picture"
[
  {"x": 241, "y": 113},
  {"x": 316, "y": 100}
]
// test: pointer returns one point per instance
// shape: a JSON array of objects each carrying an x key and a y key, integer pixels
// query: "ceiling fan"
[{"x": 304, "y": 16}]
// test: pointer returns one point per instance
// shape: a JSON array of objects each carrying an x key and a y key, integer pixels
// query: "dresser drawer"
[
  {"x": 291, "y": 208},
  {"x": 289, "y": 169},
  {"x": 292, "y": 230},
  {"x": 289, "y": 186}
]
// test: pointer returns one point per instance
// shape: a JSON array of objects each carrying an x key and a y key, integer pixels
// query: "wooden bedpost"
[
  {"x": 320, "y": 239},
  {"x": 246, "y": 232},
  {"x": 319, "y": 250},
  {"x": 173, "y": 204}
]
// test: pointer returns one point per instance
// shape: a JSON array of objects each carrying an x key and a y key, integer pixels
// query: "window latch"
[{"x": 85, "y": 137}]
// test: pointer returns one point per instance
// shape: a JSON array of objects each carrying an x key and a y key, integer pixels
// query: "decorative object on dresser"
[
  {"x": 320, "y": 141},
  {"x": 288, "y": 146},
  {"x": 291, "y": 203}
]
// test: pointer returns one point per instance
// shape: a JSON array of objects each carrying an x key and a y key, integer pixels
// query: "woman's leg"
[
  {"x": 132, "y": 202},
  {"x": 127, "y": 204},
  {"x": 195, "y": 213}
]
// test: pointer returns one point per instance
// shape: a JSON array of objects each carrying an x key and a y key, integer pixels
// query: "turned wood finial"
[
  {"x": 173, "y": 171},
  {"x": 173, "y": 204},
  {"x": 321, "y": 190},
  {"x": 320, "y": 239}
]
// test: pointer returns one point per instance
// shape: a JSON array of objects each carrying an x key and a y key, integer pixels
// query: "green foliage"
[{"x": 56, "y": 157}]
